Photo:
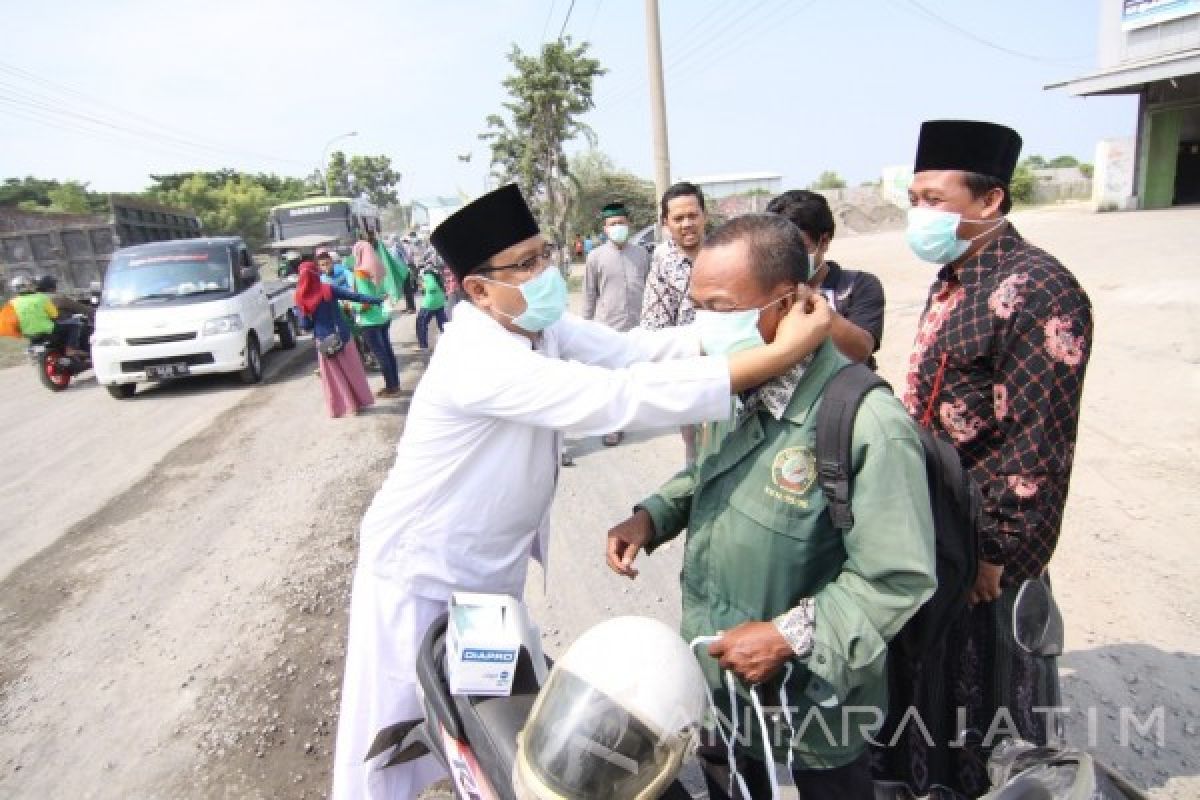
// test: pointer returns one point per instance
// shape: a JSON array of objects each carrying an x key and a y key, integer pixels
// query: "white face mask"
[
  {"x": 933, "y": 234},
  {"x": 725, "y": 332},
  {"x": 618, "y": 233}
]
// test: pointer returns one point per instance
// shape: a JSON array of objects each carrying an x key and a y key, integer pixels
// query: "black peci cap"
[
  {"x": 485, "y": 226},
  {"x": 970, "y": 146}
]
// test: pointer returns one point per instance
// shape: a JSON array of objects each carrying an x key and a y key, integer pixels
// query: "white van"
[{"x": 187, "y": 307}]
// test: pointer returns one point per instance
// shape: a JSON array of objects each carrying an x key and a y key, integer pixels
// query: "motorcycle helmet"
[
  {"x": 617, "y": 717},
  {"x": 47, "y": 283},
  {"x": 21, "y": 284}
]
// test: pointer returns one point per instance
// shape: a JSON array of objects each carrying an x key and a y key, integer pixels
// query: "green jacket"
[
  {"x": 760, "y": 540},
  {"x": 368, "y": 314},
  {"x": 434, "y": 296},
  {"x": 35, "y": 313}
]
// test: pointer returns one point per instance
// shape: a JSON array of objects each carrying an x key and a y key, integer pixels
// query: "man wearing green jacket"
[{"x": 764, "y": 569}]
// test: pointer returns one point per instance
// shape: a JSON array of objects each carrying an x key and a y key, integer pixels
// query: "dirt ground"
[{"x": 174, "y": 570}]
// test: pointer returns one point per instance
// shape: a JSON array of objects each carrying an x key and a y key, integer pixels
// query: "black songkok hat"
[
  {"x": 616, "y": 209},
  {"x": 970, "y": 146},
  {"x": 482, "y": 228}
]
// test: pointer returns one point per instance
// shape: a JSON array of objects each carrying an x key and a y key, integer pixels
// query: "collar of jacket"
[
  {"x": 971, "y": 272},
  {"x": 826, "y": 361}
]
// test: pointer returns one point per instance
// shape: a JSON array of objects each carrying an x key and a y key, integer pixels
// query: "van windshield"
[{"x": 162, "y": 276}]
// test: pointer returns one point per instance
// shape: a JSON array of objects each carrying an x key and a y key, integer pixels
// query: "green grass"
[{"x": 12, "y": 352}]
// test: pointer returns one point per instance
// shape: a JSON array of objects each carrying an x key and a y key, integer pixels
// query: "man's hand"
[
  {"x": 806, "y": 325},
  {"x": 753, "y": 650},
  {"x": 626, "y": 540},
  {"x": 987, "y": 584}
]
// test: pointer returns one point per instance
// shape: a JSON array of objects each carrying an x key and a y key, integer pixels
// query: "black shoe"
[{"x": 567, "y": 461}]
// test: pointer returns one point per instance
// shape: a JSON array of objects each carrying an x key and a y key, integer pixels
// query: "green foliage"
[
  {"x": 1088, "y": 170},
  {"x": 35, "y": 194},
  {"x": 1063, "y": 162},
  {"x": 550, "y": 92},
  {"x": 359, "y": 175},
  {"x": 1034, "y": 162},
  {"x": 828, "y": 180},
  {"x": 1022, "y": 184},
  {"x": 229, "y": 203},
  {"x": 597, "y": 182}
]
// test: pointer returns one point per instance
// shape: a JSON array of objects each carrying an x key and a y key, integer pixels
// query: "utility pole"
[{"x": 658, "y": 101}]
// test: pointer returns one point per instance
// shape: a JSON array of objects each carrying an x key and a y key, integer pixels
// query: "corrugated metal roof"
[{"x": 1130, "y": 78}]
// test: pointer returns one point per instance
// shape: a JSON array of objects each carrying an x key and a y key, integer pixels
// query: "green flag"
[{"x": 395, "y": 271}]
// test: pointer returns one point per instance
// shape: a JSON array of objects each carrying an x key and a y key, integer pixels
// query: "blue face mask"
[
  {"x": 933, "y": 235},
  {"x": 545, "y": 300},
  {"x": 725, "y": 332}
]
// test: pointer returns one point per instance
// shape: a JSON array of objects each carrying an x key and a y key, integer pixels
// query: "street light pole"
[{"x": 325, "y": 156}]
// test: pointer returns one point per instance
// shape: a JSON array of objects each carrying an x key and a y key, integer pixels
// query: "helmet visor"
[{"x": 583, "y": 744}]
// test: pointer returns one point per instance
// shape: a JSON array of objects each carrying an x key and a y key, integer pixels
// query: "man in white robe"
[{"x": 468, "y": 499}]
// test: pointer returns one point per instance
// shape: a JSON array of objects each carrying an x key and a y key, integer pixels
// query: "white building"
[{"x": 1149, "y": 48}]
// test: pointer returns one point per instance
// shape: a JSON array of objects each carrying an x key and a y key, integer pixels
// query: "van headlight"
[
  {"x": 106, "y": 340},
  {"x": 229, "y": 324}
]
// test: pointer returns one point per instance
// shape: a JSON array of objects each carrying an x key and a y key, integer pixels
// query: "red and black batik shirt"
[{"x": 997, "y": 368}]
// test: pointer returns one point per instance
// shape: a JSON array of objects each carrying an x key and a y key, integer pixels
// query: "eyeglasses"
[{"x": 530, "y": 264}]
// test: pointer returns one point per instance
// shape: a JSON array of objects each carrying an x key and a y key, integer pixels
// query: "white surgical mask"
[
  {"x": 618, "y": 233},
  {"x": 725, "y": 332},
  {"x": 933, "y": 234}
]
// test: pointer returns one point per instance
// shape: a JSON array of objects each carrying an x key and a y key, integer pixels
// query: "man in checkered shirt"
[
  {"x": 666, "y": 302},
  {"x": 997, "y": 370}
]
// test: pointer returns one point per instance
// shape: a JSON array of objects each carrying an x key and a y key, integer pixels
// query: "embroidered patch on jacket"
[{"x": 793, "y": 473}]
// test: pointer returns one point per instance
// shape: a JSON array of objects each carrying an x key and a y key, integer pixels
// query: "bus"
[{"x": 344, "y": 218}]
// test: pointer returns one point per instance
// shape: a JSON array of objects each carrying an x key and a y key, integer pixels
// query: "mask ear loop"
[
  {"x": 731, "y": 739},
  {"x": 769, "y": 760}
]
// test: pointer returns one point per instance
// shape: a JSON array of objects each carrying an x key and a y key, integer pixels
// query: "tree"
[
  {"x": 1022, "y": 184},
  {"x": 828, "y": 180},
  {"x": 1088, "y": 170},
  {"x": 36, "y": 194},
  {"x": 595, "y": 183},
  {"x": 1063, "y": 162},
  {"x": 1034, "y": 162},
  {"x": 229, "y": 202},
  {"x": 549, "y": 92},
  {"x": 372, "y": 176},
  {"x": 70, "y": 196}
]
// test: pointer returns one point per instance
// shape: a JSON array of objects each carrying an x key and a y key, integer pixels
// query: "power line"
[
  {"x": 735, "y": 32},
  {"x": 566, "y": 19},
  {"x": 935, "y": 17},
  {"x": 592, "y": 24},
  {"x": 167, "y": 132},
  {"x": 549, "y": 15}
]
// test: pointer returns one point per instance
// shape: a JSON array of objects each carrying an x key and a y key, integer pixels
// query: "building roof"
[
  {"x": 1129, "y": 78},
  {"x": 736, "y": 177}
]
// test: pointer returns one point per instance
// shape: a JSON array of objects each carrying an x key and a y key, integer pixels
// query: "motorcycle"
[
  {"x": 473, "y": 737},
  {"x": 48, "y": 354},
  {"x": 475, "y": 740}
]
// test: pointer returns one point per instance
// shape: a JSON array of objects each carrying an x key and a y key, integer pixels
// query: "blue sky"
[{"x": 111, "y": 92}]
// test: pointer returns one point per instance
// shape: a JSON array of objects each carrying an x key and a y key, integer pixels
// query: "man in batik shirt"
[
  {"x": 666, "y": 302},
  {"x": 997, "y": 369}
]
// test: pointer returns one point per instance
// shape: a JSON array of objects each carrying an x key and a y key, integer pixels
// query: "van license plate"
[{"x": 167, "y": 370}]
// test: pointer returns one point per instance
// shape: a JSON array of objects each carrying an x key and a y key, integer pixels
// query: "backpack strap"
[{"x": 843, "y": 395}]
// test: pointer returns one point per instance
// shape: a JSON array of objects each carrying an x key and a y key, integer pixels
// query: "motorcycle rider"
[
  {"x": 36, "y": 313},
  {"x": 68, "y": 327}
]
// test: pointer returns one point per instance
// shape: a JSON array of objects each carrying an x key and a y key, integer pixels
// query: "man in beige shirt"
[{"x": 614, "y": 280}]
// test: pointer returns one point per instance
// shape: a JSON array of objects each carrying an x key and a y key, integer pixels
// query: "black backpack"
[{"x": 954, "y": 498}]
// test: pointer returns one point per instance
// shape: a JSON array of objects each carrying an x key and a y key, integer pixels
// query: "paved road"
[{"x": 69, "y": 453}]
